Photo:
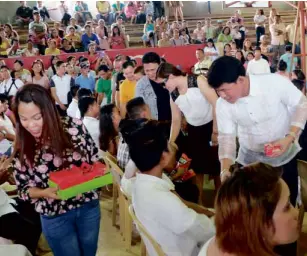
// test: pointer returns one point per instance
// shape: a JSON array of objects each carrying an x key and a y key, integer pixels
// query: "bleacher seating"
[{"x": 135, "y": 31}]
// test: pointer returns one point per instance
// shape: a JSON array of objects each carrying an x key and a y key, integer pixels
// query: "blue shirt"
[
  {"x": 287, "y": 58},
  {"x": 85, "y": 39},
  {"x": 85, "y": 82}
]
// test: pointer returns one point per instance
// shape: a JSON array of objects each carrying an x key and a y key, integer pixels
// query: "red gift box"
[
  {"x": 77, "y": 175},
  {"x": 269, "y": 149}
]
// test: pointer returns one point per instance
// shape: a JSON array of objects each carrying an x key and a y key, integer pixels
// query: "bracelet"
[
  {"x": 223, "y": 171},
  {"x": 292, "y": 134}
]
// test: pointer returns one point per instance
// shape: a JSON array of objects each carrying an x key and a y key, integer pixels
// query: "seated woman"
[
  {"x": 7, "y": 132},
  {"x": 52, "y": 49},
  {"x": 67, "y": 46},
  {"x": 117, "y": 39},
  {"x": 253, "y": 214},
  {"x": 149, "y": 32},
  {"x": 89, "y": 110},
  {"x": 109, "y": 125}
]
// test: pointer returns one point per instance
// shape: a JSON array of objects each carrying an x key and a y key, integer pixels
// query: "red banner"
[{"x": 184, "y": 56}]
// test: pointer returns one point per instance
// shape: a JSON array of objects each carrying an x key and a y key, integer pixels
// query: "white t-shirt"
[
  {"x": 211, "y": 50},
  {"x": 6, "y": 144},
  {"x": 9, "y": 86},
  {"x": 259, "y": 19},
  {"x": 92, "y": 125},
  {"x": 62, "y": 87},
  {"x": 73, "y": 109},
  {"x": 256, "y": 67}
]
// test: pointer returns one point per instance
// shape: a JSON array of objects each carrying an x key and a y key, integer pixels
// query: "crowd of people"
[{"x": 238, "y": 116}]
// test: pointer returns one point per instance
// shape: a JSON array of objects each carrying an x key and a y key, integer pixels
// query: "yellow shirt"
[
  {"x": 126, "y": 91},
  {"x": 4, "y": 45},
  {"x": 49, "y": 51},
  {"x": 103, "y": 7}
]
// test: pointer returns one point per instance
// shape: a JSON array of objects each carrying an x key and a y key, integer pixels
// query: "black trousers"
[
  {"x": 23, "y": 227},
  {"x": 259, "y": 32}
]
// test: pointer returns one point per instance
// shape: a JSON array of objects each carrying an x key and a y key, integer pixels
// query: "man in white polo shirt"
[
  {"x": 60, "y": 85},
  {"x": 258, "y": 65},
  {"x": 266, "y": 112},
  {"x": 179, "y": 230},
  {"x": 9, "y": 86}
]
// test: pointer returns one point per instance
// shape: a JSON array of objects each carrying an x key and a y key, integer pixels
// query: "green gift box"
[{"x": 79, "y": 180}]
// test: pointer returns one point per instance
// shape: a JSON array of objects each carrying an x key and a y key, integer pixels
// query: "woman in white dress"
[{"x": 192, "y": 96}]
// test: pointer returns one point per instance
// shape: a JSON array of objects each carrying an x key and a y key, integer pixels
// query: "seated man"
[
  {"x": 179, "y": 230},
  {"x": 203, "y": 64},
  {"x": 23, "y": 14},
  {"x": 104, "y": 8},
  {"x": 38, "y": 33},
  {"x": 43, "y": 11}
]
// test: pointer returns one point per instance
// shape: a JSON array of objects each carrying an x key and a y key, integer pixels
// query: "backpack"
[{"x": 7, "y": 92}]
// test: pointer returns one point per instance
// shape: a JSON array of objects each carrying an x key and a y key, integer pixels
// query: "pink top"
[
  {"x": 118, "y": 42},
  {"x": 44, "y": 81},
  {"x": 130, "y": 11}
]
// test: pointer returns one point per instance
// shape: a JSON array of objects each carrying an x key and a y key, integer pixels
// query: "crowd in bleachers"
[{"x": 242, "y": 102}]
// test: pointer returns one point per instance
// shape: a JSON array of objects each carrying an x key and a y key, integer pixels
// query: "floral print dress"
[{"x": 45, "y": 162}]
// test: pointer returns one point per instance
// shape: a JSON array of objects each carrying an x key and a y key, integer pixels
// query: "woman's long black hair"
[{"x": 106, "y": 127}]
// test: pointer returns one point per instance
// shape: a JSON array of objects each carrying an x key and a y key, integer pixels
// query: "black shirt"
[
  {"x": 119, "y": 78},
  {"x": 24, "y": 12},
  {"x": 163, "y": 101},
  {"x": 72, "y": 50}
]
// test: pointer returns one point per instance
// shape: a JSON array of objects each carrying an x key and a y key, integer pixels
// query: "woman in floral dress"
[{"x": 47, "y": 143}]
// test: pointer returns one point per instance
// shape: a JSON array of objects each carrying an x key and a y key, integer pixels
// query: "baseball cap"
[{"x": 84, "y": 65}]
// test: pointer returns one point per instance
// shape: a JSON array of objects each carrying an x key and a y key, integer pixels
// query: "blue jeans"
[{"x": 74, "y": 233}]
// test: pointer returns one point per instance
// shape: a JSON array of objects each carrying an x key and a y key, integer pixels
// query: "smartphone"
[{"x": 101, "y": 54}]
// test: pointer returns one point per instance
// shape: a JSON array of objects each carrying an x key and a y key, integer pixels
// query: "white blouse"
[
  {"x": 6, "y": 144},
  {"x": 195, "y": 107},
  {"x": 211, "y": 50}
]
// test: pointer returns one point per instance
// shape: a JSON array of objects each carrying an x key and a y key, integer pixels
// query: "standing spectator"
[
  {"x": 278, "y": 31},
  {"x": 23, "y": 73},
  {"x": 43, "y": 11},
  {"x": 60, "y": 85},
  {"x": 23, "y": 14},
  {"x": 258, "y": 65},
  {"x": 152, "y": 90},
  {"x": 273, "y": 14},
  {"x": 37, "y": 75},
  {"x": 127, "y": 87},
  {"x": 67, "y": 47},
  {"x": 64, "y": 12},
  {"x": 104, "y": 89},
  {"x": 117, "y": 39},
  {"x": 149, "y": 32},
  {"x": 200, "y": 33},
  {"x": 225, "y": 37},
  {"x": 282, "y": 69},
  {"x": 131, "y": 11},
  {"x": 88, "y": 37},
  {"x": 208, "y": 29},
  {"x": 177, "y": 9},
  {"x": 287, "y": 59},
  {"x": 73, "y": 109},
  {"x": 9, "y": 85},
  {"x": 210, "y": 50},
  {"x": 52, "y": 69},
  {"x": 38, "y": 33},
  {"x": 117, "y": 10},
  {"x": 104, "y": 9},
  {"x": 52, "y": 49},
  {"x": 4, "y": 44},
  {"x": 102, "y": 34},
  {"x": 203, "y": 63},
  {"x": 164, "y": 41},
  {"x": 85, "y": 80},
  {"x": 237, "y": 36},
  {"x": 13, "y": 37},
  {"x": 218, "y": 30},
  {"x": 30, "y": 50},
  {"x": 259, "y": 20},
  {"x": 46, "y": 142}
]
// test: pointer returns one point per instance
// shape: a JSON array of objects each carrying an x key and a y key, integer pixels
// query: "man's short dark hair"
[
  {"x": 225, "y": 69},
  {"x": 59, "y": 63},
  {"x": 128, "y": 64},
  {"x": 69, "y": 58},
  {"x": 288, "y": 48},
  {"x": 104, "y": 68},
  {"x": 74, "y": 90},
  {"x": 19, "y": 61},
  {"x": 134, "y": 107},
  {"x": 257, "y": 48},
  {"x": 83, "y": 92},
  {"x": 151, "y": 57},
  {"x": 4, "y": 67},
  {"x": 201, "y": 50}
]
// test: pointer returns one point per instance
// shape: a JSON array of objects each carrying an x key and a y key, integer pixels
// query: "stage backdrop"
[{"x": 184, "y": 56}]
